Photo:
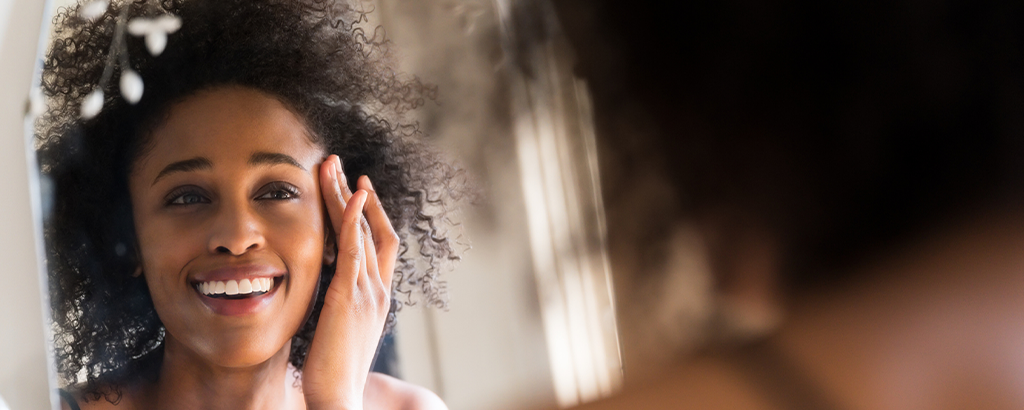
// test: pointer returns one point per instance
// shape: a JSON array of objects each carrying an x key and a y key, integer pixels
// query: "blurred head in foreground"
[{"x": 853, "y": 168}]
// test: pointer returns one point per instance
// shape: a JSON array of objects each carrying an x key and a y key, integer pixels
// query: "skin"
[
  {"x": 258, "y": 195},
  {"x": 932, "y": 325}
]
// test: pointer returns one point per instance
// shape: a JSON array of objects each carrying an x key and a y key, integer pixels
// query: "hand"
[{"x": 357, "y": 302}]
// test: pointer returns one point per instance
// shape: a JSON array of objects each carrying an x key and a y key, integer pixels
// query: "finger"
[
  {"x": 351, "y": 251},
  {"x": 364, "y": 280},
  {"x": 372, "y": 269},
  {"x": 385, "y": 240},
  {"x": 334, "y": 197},
  {"x": 369, "y": 268},
  {"x": 346, "y": 192}
]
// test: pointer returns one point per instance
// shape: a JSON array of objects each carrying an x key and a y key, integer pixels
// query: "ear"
[
  {"x": 330, "y": 248},
  {"x": 749, "y": 281}
]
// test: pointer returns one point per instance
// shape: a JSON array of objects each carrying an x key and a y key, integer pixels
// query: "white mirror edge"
[{"x": 26, "y": 372}]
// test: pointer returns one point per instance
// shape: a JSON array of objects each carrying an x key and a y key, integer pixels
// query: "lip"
[
  {"x": 238, "y": 307},
  {"x": 243, "y": 306},
  {"x": 237, "y": 273}
]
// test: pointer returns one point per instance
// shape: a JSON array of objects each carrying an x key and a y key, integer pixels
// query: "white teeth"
[
  {"x": 244, "y": 286},
  {"x": 231, "y": 287},
  {"x": 236, "y": 287}
]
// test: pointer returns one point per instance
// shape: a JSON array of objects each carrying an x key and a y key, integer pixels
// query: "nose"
[{"x": 236, "y": 229}]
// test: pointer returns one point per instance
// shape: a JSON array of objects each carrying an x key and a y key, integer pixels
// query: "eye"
[
  {"x": 187, "y": 195},
  {"x": 277, "y": 191}
]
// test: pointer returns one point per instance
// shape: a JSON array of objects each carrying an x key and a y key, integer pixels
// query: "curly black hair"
[{"x": 317, "y": 56}]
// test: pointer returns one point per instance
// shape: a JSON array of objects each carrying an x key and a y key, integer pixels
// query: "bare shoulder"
[
  {"x": 388, "y": 393},
  {"x": 700, "y": 384}
]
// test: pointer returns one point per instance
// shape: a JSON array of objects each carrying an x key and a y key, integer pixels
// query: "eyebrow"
[
  {"x": 201, "y": 163},
  {"x": 193, "y": 164},
  {"x": 272, "y": 158}
]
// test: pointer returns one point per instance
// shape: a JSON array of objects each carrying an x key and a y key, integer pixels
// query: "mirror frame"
[{"x": 27, "y": 378}]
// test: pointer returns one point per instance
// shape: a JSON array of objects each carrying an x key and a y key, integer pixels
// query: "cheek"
[
  {"x": 165, "y": 250},
  {"x": 298, "y": 236},
  {"x": 166, "y": 246},
  {"x": 298, "y": 239}
]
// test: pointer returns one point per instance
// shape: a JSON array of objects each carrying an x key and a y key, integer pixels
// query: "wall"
[{"x": 488, "y": 350}]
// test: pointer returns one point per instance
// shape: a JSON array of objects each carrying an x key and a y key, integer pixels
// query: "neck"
[
  {"x": 935, "y": 326},
  {"x": 187, "y": 381}
]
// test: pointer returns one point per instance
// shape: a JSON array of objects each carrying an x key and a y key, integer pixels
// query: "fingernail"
[
  {"x": 333, "y": 173},
  {"x": 369, "y": 184},
  {"x": 361, "y": 201},
  {"x": 337, "y": 166}
]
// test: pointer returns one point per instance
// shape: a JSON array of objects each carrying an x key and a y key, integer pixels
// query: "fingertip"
[
  {"x": 363, "y": 196},
  {"x": 357, "y": 201},
  {"x": 364, "y": 183},
  {"x": 373, "y": 198},
  {"x": 325, "y": 169},
  {"x": 327, "y": 179}
]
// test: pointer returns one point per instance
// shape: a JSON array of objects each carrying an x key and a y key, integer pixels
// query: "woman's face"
[{"x": 227, "y": 204}]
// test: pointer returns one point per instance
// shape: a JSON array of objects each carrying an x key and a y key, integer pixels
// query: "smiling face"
[{"x": 227, "y": 200}]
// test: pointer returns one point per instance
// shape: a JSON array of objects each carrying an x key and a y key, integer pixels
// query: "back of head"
[
  {"x": 832, "y": 131},
  {"x": 839, "y": 128}
]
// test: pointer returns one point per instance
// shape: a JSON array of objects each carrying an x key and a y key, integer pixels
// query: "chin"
[{"x": 244, "y": 355}]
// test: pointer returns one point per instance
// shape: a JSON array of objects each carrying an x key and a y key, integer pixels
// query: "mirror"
[{"x": 530, "y": 319}]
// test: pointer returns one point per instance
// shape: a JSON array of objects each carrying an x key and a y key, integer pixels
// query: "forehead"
[{"x": 228, "y": 122}]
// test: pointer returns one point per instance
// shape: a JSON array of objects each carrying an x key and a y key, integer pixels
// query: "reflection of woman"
[{"x": 201, "y": 235}]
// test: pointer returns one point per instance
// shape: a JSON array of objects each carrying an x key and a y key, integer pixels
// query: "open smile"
[
  {"x": 236, "y": 297},
  {"x": 235, "y": 289}
]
